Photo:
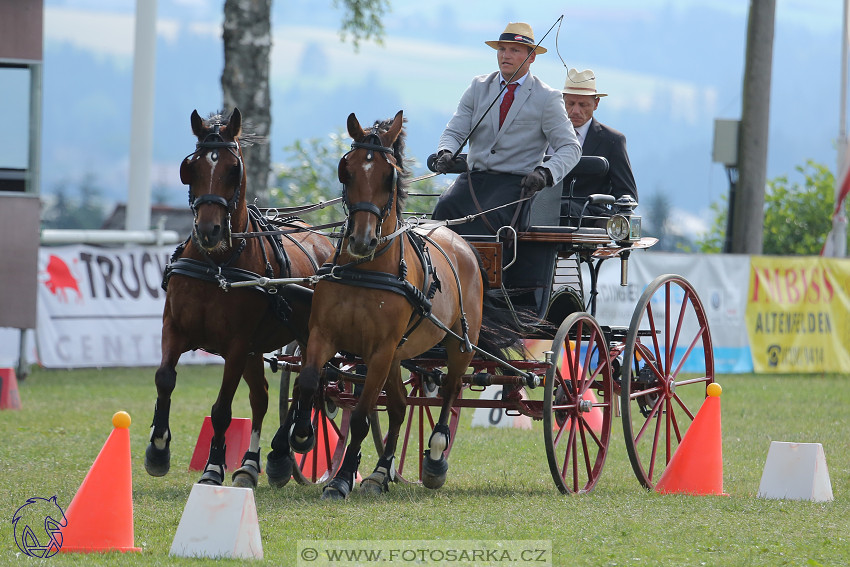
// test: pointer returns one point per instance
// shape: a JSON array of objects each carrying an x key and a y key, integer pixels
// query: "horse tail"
[{"x": 502, "y": 326}]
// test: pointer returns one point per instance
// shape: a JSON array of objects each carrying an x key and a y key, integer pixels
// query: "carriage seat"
[{"x": 543, "y": 215}]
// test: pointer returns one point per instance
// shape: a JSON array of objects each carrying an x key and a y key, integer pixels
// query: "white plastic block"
[
  {"x": 219, "y": 521},
  {"x": 795, "y": 471}
]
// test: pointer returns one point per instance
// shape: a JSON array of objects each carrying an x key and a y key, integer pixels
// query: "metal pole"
[
  {"x": 839, "y": 222},
  {"x": 141, "y": 118}
]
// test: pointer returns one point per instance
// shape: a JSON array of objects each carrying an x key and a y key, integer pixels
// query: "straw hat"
[
  {"x": 517, "y": 32},
  {"x": 581, "y": 83}
]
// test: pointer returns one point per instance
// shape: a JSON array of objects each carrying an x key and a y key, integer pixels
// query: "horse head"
[
  {"x": 216, "y": 178},
  {"x": 370, "y": 175}
]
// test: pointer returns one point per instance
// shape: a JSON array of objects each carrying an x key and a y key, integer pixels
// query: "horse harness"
[
  {"x": 224, "y": 273},
  {"x": 420, "y": 299}
]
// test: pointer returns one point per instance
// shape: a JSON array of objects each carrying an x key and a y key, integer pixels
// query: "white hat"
[
  {"x": 581, "y": 83},
  {"x": 517, "y": 32}
]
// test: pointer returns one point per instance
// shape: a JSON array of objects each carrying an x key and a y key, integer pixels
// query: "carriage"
[{"x": 585, "y": 375}]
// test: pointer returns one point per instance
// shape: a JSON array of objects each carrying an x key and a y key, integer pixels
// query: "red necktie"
[{"x": 506, "y": 103}]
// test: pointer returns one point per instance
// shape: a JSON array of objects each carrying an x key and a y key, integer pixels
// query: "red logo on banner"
[{"x": 60, "y": 279}]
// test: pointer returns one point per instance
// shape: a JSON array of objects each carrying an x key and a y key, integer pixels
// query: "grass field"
[{"x": 499, "y": 485}]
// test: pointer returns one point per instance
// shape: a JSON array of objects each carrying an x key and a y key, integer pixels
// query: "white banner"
[
  {"x": 720, "y": 281},
  {"x": 102, "y": 306}
]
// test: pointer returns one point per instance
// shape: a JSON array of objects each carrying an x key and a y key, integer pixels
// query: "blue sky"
[{"x": 433, "y": 49}]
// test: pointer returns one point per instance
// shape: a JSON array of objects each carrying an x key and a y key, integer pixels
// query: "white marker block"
[
  {"x": 219, "y": 521},
  {"x": 795, "y": 471},
  {"x": 495, "y": 417}
]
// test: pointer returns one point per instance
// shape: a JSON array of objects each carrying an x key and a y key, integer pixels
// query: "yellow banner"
[{"x": 798, "y": 314}]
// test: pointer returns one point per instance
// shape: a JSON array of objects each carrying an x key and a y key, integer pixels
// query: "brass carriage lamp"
[{"x": 624, "y": 225}]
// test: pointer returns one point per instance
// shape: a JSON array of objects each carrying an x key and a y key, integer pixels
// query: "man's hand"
[
  {"x": 445, "y": 162},
  {"x": 534, "y": 181}
]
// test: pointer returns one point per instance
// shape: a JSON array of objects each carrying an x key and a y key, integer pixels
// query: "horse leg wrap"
[
  {"x": 379, "y": 481},
  {"x": 280, "y": 463},
  {"x": 434, "y": 469},
  {"x": 302, "y": 439},
  {"x": 340, "y": 485},
  {"x": 214, "y": 471},
  {"x": 248, "y": 474},
  {"x": 439, "y": 441},
  {"x": 158, "y": 452}
]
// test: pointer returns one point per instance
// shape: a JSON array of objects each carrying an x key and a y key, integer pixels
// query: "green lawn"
[{"x": 499, "y": 485}]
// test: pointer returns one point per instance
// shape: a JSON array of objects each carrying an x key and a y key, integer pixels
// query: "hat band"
[
  {"x": 581, "y": 89},
  {"x": 516, "y": 37}
]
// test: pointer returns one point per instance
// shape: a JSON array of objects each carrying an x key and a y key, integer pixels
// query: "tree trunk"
[
  {"x": 245, "y": 83},
  {"x": 747, "y": 209}
]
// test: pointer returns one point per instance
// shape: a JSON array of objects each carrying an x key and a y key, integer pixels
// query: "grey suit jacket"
[{"x": 537, "y": 119}]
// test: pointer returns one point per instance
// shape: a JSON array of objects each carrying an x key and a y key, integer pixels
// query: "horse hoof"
[
  {"x": 279, "y": 469},
  {"x": 374, "y": 486},
  {"x": 212, "y": 477},
  {"x": 302, "y": 444},
  {"x": 434, "y": 472},
  {"x": 336, "y": 489},
  {"x": 157, "y": 461},
  {"x": 245, "y": 477}
]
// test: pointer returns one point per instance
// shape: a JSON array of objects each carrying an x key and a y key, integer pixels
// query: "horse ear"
[
  {"x": 186, "y": 172},
  {"x": 234, "y": 123},
  {"x": 395, "y": 127},
  {"x": 197, "y": 124},
  {"x": 354, "y": 129}
]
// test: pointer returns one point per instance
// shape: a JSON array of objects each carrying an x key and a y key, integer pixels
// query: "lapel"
[
  {"x": 593, "y": 139},
  {"x": 492, "y": 93}
]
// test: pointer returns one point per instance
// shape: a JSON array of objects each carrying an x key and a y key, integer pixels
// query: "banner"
[
  {"x": 102, "y": 307},
  {"x": 797, "y": 314},
  {"x": 718, "y": 280}
]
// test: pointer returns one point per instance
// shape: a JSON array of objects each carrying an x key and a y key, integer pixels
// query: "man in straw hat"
[
  {"x": 505, "y": 157},
  {"x": 581, "y": 98}
]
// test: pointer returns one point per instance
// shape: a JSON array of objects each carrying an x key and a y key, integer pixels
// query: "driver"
[{"x": 506, "y": 149}]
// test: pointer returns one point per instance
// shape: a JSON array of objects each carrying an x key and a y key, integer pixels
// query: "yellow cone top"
[
  {"x": 121, "y": 420},
  {"x": 712, "y": 390}
]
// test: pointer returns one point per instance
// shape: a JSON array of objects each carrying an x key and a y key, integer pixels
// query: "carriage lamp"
[
  {"x": 624, "y": 224},
  {"x": 618, "y": 227}
]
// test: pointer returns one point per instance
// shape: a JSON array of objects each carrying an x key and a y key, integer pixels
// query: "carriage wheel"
[
  {"x": 576, "y": 452},
  {"x": 668, "y": 336},
  {"x": 417, "y": 427},
  {"x": 331, "y": 427}
]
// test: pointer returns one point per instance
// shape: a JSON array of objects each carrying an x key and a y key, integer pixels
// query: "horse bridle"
[
  {"x": 214, "y": 141},
  {"x": 372, "y": 143}
]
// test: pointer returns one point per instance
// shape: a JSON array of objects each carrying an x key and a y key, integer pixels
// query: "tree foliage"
[
  {"x": 797, "y": 215},
  {"x": 85, "y": 210},
  {"x": 362, "y": 20},
  {"x": 309, "y": 175}
]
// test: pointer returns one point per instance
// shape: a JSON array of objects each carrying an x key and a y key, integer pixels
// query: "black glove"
[
  {"x": 445, "y": 162},
  {"x": 534, "y": 181}
]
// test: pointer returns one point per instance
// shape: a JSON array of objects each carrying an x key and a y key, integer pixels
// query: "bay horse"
[
  {"x": 239, "y": 324},
  {"x": 375, "y": 300}
]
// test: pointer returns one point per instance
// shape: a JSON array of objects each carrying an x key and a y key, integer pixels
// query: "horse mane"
[
  {"x": 398, "y": 152},
  {"x": 247, "y": 138}
]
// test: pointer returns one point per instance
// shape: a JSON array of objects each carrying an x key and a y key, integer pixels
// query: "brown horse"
[
  {"x": 238, "y": 324},
  {"x": 377, "y": 300}
]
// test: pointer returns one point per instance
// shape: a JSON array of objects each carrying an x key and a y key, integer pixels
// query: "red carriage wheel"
[
  {"x": 667, "y": 338},
  {"x": 576, "y": 450},
  {"x": 418, "y": 424}
]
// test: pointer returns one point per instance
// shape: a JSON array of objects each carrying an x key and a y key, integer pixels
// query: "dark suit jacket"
[{"x": 602, "y": 141}]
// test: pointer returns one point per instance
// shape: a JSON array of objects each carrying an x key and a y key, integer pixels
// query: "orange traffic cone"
[
  {"x": 9, "y": 397},
  {"x": 697, "y": 465},
  {"x": 100, "y": 517},
  {"x": 237, "y": 440},
  {"x": 317, "y": 462}
]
